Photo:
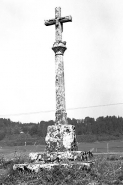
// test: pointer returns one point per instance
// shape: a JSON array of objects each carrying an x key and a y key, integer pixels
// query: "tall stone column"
[
  {"x": 60, "y": 140},
  {"x": 61, "y": 115},
  {"x": 61, "y": 136}
]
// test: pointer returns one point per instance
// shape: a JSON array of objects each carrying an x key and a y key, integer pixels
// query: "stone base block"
[
  {"x": 45, "y": 160},
  {"x": 61, "y": 138},
  {"x": 36, "y": 167},
  {"x": 60, "y": 156}
]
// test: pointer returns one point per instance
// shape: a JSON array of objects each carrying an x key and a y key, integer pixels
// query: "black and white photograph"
[{"x": 61, "y": 92}]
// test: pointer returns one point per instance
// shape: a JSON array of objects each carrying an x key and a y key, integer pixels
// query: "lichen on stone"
[{"x": 60, "y": 138}]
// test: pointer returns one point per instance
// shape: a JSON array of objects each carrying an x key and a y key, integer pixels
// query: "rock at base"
[
  {"x": 36, "y": 167},
  {"x": 61, "y": 138},
  {"x": 46, "y": 157}
]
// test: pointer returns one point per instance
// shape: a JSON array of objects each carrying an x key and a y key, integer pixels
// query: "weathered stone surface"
[
  {"x": 59, "y": 48},
  {"x": 58, "y": 22},
  {"x": 61, "y": 145},
  {"x": 61, "y": 116},
  {"x": 61, "y": 138},
  {"x": 33, "y": 167},
  {"x": 60, "y": 156},
  {"x": 36, "y": 167}
]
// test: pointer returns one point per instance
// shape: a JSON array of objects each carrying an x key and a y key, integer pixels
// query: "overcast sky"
[{"x": 93, "y": 60}]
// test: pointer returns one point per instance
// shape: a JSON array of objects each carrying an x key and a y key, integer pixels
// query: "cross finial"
[{"x": 58, "y": 21}]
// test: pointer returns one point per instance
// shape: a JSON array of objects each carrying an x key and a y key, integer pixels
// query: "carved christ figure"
[{"x": 58, "y": 22}]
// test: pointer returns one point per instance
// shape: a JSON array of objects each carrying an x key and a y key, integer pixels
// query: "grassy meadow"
[
  {"x": 98, "y": 147},
  {"x": 107, "y": 168}
]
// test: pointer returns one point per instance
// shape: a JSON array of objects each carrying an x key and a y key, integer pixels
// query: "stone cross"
[
  {"x": 61, "y": 136},
  {"x": 59, "y": 48},
  {"x": 58, "y": 22}
]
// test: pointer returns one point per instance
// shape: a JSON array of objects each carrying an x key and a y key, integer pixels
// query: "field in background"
[
  {"x": 107, "y": 169},
  {"x": 98, "y": 147},
  {"x": 103, "y": 146}
]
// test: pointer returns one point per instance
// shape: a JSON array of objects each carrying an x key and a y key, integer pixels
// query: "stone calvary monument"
[
  {"x": 60, "y": 140},
  {"x": 61, "y": 136}
]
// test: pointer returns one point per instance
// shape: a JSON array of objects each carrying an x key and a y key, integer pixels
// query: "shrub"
[{"x": 112, "y": 158}]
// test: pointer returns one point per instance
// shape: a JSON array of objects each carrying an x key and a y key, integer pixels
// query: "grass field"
[
  {"x": 108, "y": 169},
  {"x": 103, "y": 147},
  {"x": 98, "y": 147}
]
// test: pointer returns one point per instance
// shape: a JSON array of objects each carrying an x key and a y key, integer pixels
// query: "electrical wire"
[{"x": 48, "y": 111}]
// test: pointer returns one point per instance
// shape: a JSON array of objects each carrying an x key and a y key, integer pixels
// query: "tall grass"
[{"x": 107, "y": 169}]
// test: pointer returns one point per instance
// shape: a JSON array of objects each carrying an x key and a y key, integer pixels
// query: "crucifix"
[
  {"x": 61, "y": 136},
  {"x": 59, "y": 48},
  {"x": 58, "y": 22}
]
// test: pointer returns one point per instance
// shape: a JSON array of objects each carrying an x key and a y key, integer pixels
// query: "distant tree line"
[{"x": 87, "y": 129}]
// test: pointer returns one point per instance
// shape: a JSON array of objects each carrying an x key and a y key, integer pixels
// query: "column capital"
[{"x": 59, "y": 47}]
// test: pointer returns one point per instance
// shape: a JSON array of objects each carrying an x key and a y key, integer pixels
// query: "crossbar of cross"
[{"x": 58, "y": 22}]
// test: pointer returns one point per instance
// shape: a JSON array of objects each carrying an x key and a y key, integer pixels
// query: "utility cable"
[{"x": 48, "y": 111}]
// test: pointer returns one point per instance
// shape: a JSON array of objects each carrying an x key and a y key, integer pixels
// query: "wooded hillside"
[{"x": 88, "y": 129}]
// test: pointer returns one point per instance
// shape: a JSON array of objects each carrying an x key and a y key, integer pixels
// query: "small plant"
[
  {"x": 106, "y": 170},
  {"x": 112, "y": 158}
]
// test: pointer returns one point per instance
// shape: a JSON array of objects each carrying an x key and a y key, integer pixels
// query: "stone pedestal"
[{"x": 61, "y": 138}]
